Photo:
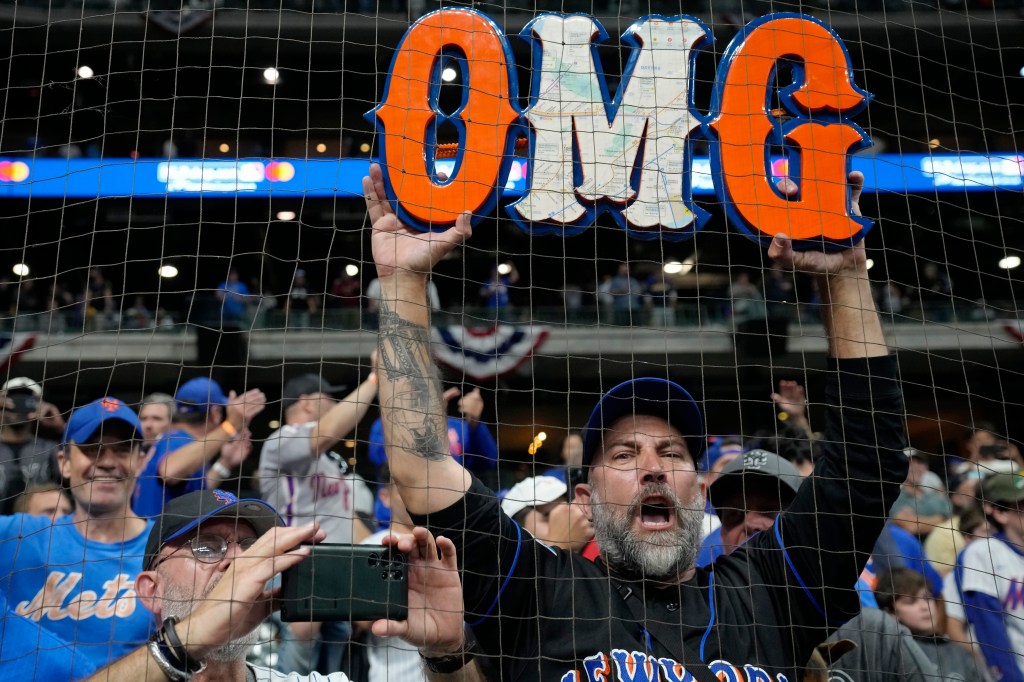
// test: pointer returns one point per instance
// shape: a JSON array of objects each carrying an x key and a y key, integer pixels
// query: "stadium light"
[
  {"x": 286, "y": 215},
  {"x": 20, "y": 269},
  {"x": 271, "y": 75},
  {"x": 85, "y": 71},
  {"x": 869, "y": 263},
  {"x": 1009, "y": 263},
  {"x": 351, "y": 269},
  {"x": 504, "y": 268},
  {"x": 448, "y": 74},
  {"x": 321, "y": 147},
  {"x": 224, "y": 147},
  {"x": 364, "y": 147},
  {"x": 1022, "y": 71},
  {"x": 674, "y": 267},
  {"x": 167, "y": 271}
]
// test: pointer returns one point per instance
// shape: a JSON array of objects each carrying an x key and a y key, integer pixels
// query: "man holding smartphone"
[
  {"x": 208, "y": 560},
  {"x": 644, "y": 609}
]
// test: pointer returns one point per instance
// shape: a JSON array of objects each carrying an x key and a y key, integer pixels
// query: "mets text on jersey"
[
  {"x": 636, "y": 666},
  {"x": 629, "y": 155},
  {"x": 52, "y": 603}
]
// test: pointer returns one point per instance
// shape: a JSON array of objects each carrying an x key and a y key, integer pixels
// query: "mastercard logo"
[
  {"x": 780, "y": 168},
  {"x": 13, "y": 171},
  {"x": 280, "y": 171}
]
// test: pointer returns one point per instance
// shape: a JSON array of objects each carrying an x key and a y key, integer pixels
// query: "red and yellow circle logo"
[
  {"x": 280, "y": 171},
  {"x": 13, "y": 171}
]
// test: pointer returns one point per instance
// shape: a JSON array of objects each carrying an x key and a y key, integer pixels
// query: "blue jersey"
[
  {"x": 29, "y": 651},
  {"x": 80, "y": 590},
  {"x": 151, "y": 493}
]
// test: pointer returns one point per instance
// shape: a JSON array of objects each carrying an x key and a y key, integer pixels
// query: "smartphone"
[
  {"x": 346, "y": 582},
  {"x": 998, "y": 450}
]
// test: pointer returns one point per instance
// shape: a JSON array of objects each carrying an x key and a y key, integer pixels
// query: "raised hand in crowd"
[{"x": 242, "y": 408}]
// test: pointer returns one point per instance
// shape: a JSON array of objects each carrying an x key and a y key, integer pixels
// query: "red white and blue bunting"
[
  {"x": 12, "y": 346},
  {"x": 486, "y": 353}
]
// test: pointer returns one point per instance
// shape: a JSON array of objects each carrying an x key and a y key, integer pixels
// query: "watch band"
[
  {"x": 447, "y": 664},
  {"x": 221, "y": 470},
  {"x": 156, "y": 650}
]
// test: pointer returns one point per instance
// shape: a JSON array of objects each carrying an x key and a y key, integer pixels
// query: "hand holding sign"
[
  {"x": 853, "y": 260},
  {"x": 398, "y": 249}
]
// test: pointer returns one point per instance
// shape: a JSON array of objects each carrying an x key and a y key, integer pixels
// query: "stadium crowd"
[{"x": 101, "y": 501}]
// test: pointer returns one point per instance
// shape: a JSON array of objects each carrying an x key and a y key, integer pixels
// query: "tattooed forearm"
[{"x": 411, "y": 395}]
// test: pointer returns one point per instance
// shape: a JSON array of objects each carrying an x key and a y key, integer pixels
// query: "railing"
[{"x": 684, "y": 315}]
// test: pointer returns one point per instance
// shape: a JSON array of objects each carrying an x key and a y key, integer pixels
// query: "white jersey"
[
  {"x": 304, "y": 488},
  {"x": 390, "y": 657},
  {"x": 994, "y": 568}
]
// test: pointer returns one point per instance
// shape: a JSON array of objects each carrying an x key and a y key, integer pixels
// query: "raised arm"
[
  {"x": 411, "y": 396},
  {"x": 182, "y": 463},
  {"x": 848, "y": 309},
  {"x": 832, "y": 524},
  {"x": 342, "y": 418}
]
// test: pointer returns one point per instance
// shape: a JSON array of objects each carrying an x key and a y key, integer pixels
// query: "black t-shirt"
[
  {"x": 553, "y": 615},
  {"x": 22, "y": 464}
]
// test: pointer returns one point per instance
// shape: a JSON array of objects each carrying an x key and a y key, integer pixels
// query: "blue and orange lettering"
[
  {"x": 409, "y": 114},
  {"x": 598, "y": 667},
  {"x": 673, "y": 671},
  {"x": 818, "y": 151},
  {"x": 634, "y": 666}
]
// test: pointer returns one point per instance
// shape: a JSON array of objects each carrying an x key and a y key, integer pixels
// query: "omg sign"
[{"x": 629, "y": 154}]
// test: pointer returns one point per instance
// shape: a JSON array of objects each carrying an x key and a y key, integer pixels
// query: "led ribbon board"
[{"x": 630, "y": 155}]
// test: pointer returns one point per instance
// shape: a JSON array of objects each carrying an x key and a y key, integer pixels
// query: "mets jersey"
[
  {"x": 993, "y": 567},
  {"x": 304, "y": 488},
  {"x": 81, "y": 590}
]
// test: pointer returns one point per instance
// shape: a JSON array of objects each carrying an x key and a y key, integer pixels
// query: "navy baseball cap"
[
  {"x": 184, "y": 514},
  {"x": 87, "y": 420},
  {"x": 651, "y": 396},
  {"x": 197, "y": 395}
]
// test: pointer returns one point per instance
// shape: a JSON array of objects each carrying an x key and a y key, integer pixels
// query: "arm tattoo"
[{"x": 411, "y": 402}]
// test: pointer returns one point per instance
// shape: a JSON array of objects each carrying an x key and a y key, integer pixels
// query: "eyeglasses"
[{"x": 210, "y": 549}]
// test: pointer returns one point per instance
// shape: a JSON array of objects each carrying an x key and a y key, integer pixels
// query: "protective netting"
[{"x": 181, "y": 201}]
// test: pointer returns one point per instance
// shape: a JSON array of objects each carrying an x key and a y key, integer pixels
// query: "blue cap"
[
  {"x": 185, "y": 513},
  {"x": 86, "y": 420},
  {"x": 651, "y": 396},
  {"x": 197, "y": 395}
]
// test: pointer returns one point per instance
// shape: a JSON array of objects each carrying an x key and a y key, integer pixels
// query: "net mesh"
[{"x": 180, "y": 197}]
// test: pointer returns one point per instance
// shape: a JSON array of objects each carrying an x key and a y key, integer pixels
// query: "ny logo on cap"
[
  {"x": 224, "y": 497},
  {"x": 755, "y": 459},
  {"x": 110, "y": 404}
]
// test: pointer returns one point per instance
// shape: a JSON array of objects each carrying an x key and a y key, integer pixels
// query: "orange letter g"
[{"x": 818, "y": 150}]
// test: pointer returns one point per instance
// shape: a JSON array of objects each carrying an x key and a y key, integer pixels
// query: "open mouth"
[{"x": 656, "y": 513}]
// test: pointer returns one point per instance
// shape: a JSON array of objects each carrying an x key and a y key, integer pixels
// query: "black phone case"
[{"x": 346, "y": 582}]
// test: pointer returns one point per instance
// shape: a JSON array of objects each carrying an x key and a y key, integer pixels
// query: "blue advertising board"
[{"x": 298, "y": 178}]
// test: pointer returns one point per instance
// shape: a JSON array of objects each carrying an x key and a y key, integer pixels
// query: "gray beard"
[
  {"x": 179, "y": 603},
  {"x": 661, "y": 555}
]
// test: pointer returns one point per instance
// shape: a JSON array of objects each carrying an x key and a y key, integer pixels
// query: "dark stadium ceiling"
[
  {"x": 951, "y": 77},
  {"x": 937, "y": 76}
]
